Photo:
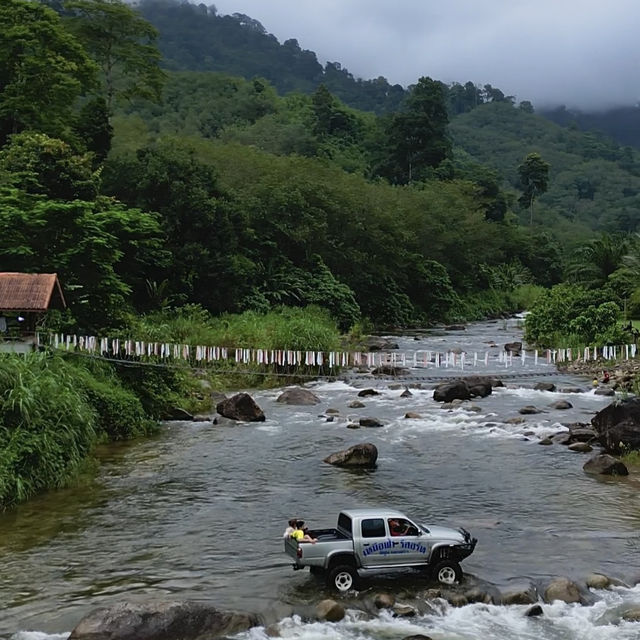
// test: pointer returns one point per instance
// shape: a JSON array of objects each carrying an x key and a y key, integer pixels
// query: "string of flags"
[{"x": 202, "y": 354}]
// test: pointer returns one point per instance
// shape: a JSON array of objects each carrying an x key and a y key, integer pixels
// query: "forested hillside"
[
  {"x": 146, "y": 191},
  {"x": 167, "y": 188},
  {"x": 620, "y": 123},
  {"x": 593, "y": 182},
  {"x": 195, "y": 38},
  {"x": 202, "y": 207}
]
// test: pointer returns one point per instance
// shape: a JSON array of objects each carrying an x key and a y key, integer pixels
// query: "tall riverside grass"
[
  {"x": 309, "y": 328},
  {"x": 47, "y": 426},
  {"x": 52, "y": 411}
]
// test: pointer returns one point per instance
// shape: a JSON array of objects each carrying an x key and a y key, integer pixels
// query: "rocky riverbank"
[
  {"x": 623, "y": 375},
  {"x": 190, "y": 620}
]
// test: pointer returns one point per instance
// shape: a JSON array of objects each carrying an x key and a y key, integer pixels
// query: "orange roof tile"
[{"x": 28, "y": 291}]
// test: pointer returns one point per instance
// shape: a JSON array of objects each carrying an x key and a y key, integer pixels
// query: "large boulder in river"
[
  {"x": 241, "y": 407},
  {"x": 176, "y": 413},
  {"x": 479, "y": 389},
  {"x": 618, "y": 425},
  {"x": 581, "y": 432},
  {"x": 377, "y": 343},
  {"x": 562, "y": 589},
  {"x": 483, "y": 380},
  {"x": 454, "y": 390},
  {"x": 606, "y": 465},
  {"x": 161, "y": 621},
  {"x": 514, "y": 348},
  {"x": 298, "y": 396},
  {"x": 604, "y": 391},
  {"x": 390, "y": 370},
  {"x": 360, "y": 455},
  {"x": 370, "y": 422},
  {"x": 330, "y": 610}
]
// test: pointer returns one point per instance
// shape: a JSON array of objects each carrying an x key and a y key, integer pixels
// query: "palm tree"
[
  {"x": 592, "y": 263},
  {"x": 631, "y": 261}
]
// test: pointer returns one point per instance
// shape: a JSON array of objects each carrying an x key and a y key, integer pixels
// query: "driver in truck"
[{"x": 401, "y": 528}]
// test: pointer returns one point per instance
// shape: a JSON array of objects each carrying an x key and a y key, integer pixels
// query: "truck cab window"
[
  {"x": 402, "y": 527},
  {"x": 373, "y": 528}
]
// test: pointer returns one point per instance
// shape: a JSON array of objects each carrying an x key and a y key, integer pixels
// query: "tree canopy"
[{"x": 43, "y": 70}]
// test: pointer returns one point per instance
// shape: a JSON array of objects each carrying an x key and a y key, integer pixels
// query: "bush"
[
  {"x": 158, "y": 389},
  {"x": 526, "y": 295},
  {"x": 119, "y": 412},
  {"x": 485, "y": 304}
]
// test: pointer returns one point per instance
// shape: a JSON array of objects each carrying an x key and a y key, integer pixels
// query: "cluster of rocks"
[
  {"x": 616, "y": 428},
  {"x": 196, "y": 620}
]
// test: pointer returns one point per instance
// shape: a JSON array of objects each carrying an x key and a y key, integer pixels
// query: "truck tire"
[
  {"x": 447, "y": 572},
  {"x": 342, "y": 578}
]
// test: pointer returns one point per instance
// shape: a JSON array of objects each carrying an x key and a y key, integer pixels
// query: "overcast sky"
[{"x": 583, "y": 53}]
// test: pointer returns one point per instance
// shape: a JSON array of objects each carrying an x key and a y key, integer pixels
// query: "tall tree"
[
  {"x": 534, "y": 179},
  {"x": 331, "y": 118},
  {"x": 43, "y": 70},
  {"x": 123, "y": 44},
  {"x": 418, "y": 134}
]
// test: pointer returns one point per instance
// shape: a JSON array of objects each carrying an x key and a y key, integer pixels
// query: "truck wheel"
[
  {"x": 447, "y": 572},
  {"x": 342, "y": 578}
]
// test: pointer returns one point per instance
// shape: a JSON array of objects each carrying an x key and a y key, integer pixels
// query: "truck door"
[
  {"x": 372, "y": 542},
  {"x": 409, "y": 547}
]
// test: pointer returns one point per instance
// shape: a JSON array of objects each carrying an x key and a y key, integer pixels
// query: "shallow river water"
[{"x": 198, "y": 513}]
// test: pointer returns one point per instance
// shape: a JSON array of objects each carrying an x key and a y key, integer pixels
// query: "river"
[{"x": 198, "y": 511}]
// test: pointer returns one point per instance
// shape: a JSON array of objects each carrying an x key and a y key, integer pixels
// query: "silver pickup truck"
[{"x": 374, "y": 540}]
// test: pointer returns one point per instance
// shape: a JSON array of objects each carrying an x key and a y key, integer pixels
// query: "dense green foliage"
[
  {"x": 43, "y": 69},
  {"x": 47, "y": 427},
  {"x": 620, "y": 123},
  {"x": 123, "y": 45}
]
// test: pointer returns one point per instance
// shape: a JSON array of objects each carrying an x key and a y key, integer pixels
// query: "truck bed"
[
  {"x": 326, "y": 535},
  {"x": 318, "y": 553}
]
